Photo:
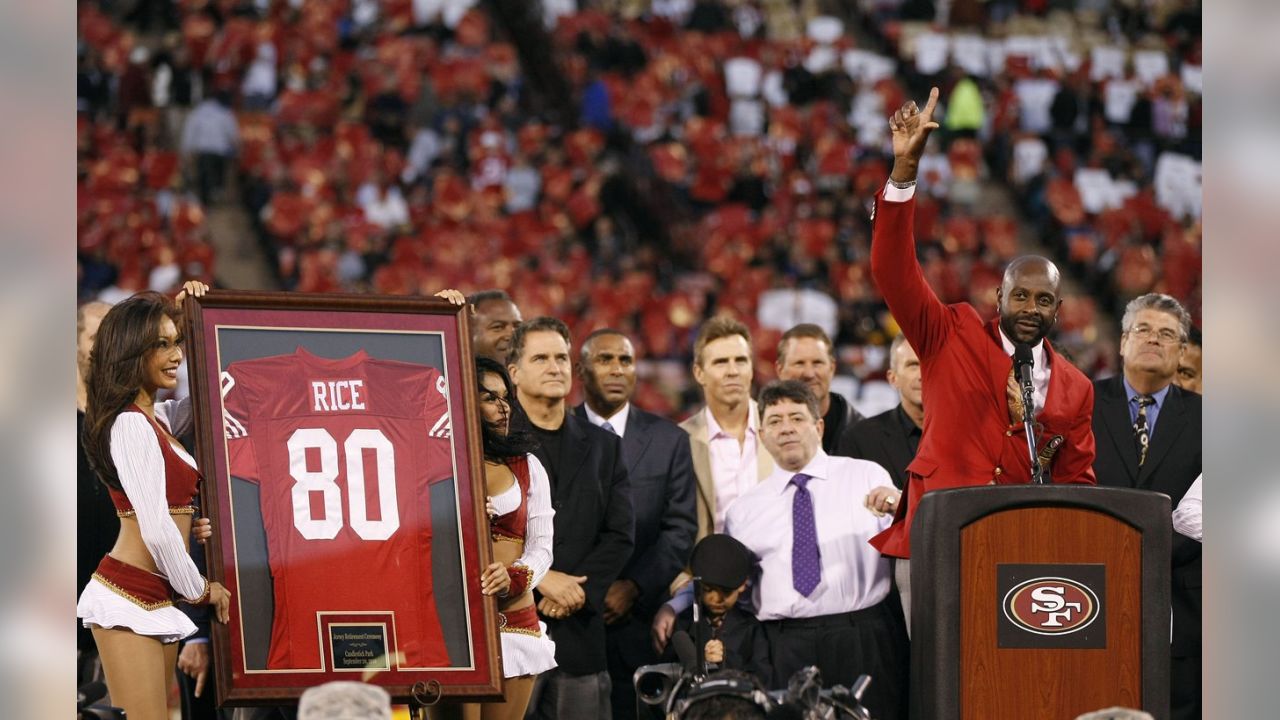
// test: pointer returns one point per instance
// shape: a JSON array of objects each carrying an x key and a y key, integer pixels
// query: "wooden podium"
[{"x": 1038, "y": 602}]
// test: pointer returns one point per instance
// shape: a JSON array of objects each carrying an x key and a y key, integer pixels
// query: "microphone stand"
[
  {"x": 699, "y": 642},
  {"x": 1028, "y": 405}
]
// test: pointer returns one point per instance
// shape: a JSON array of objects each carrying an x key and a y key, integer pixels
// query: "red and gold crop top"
[
  {"x": 525, "y": 516},
  {"x": 158, "y": 481},
  {"x": 181, "y": 480},
  {"x": 511, "y": 526}
]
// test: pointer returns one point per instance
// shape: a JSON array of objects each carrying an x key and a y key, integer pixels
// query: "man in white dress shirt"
[{"x": 820, "y": 588}]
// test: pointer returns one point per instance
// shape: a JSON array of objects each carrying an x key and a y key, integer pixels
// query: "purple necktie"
[{"x": 806, "y": 566}]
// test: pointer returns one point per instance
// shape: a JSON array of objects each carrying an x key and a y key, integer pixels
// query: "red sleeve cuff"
[{"x": 521, "y": 578}]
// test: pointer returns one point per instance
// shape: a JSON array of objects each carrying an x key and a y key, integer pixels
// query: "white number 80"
[{"x": 323, "y": 480}]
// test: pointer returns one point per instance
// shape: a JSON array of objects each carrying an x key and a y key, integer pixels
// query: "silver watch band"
[{"x": 902, "y": 186}]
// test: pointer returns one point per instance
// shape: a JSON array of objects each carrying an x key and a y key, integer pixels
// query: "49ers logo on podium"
[{"x": 1052, "y": 606}]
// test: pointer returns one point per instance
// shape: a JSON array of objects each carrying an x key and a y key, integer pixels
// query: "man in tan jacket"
[{"x": 728, "y": 455}]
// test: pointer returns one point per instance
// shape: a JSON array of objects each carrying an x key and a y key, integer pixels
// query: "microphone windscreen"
[
  {"x": 685, "y": 650},
  {"x": 1022, "y": 354}
]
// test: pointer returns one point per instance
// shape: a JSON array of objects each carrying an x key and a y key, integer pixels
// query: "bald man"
[{"x": 973, "y": 422}]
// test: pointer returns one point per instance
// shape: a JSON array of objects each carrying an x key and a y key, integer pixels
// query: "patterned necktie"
[
  {"x": 1141, "y": 433},
  {"x": 806, "y": 566},
  {"x": 1013, "y": 393}
]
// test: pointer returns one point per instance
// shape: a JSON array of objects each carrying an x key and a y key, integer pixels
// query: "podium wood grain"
[{"x": 1004, "y": 682}]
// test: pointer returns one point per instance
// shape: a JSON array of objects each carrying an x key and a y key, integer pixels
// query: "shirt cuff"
[
  {"x": 682, "y": 600},
  {"x": 896, "y": 194},
  {"x": 196, "y": 640}
]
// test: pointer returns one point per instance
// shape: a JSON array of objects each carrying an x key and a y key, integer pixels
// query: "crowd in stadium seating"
[
  {"x": 653, "y": 164},
  {"x": 715, "y": 153}
]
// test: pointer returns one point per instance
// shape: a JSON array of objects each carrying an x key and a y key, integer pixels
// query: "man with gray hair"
[
  {"x": 594, "y": 527},
  {"x": 1148, "y": 437},
  {"x": 344, "y": 701}
]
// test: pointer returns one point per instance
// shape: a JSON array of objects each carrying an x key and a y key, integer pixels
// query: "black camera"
[
  {"x": 89, "y": 694},
  {"x": 670, "y": 691},
  {"x": 657, "y": 684},
  {"x": 676, "y": 690},
  {"x": 805, "y": 698}
]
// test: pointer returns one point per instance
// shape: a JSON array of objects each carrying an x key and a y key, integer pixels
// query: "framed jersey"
[{"x": 339, "y": 438}]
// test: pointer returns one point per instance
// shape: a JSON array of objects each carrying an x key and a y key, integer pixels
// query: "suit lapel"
[
  {"x": 701, "y": 452},
  {"x": 898, "y": 441},
  {"x": 578, "y": 436},
  {"x": 1169, "y": 427},
  {"x": 999, "y": 367},
  {"x": 1115, "y": 415},
  {"x": 764, "y": 461},
  {"x": 1053, "y": 393},
  {"x": 635, "y": 440}
]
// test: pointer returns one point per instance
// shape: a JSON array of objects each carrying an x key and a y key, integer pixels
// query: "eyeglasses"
[{"x": 1164, "y": 336}]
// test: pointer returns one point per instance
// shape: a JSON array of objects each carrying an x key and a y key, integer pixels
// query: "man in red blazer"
[{"x": 973, "y": 431}]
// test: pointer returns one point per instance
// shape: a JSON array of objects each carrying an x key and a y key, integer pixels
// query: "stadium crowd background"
[{"x": 642, "y": 165}]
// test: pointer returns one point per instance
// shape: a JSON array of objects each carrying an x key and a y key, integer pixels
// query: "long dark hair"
[
  {"x": 117, "y": 366},
  {"x": 496, "y": 445}
]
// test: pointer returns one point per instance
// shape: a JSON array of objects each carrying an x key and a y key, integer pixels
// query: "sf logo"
[
  {"x": 1051, "y": 605},
  {"x": 1052, "y": 601}
]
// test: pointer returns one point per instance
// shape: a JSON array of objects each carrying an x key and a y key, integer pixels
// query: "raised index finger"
[{"x": 931, "y": 104}]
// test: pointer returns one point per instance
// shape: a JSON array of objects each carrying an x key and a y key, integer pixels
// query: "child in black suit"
[{"x": 732, "y": 637}]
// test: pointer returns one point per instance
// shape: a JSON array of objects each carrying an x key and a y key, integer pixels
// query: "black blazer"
[
  {"x": 882, "y": 440},
  {"x": 594, "y": 534},
  {"x": 841, "y": 415},
  {"x": 1173, "y": 463},
  {"x": 660, "y": 471},
  {"x": 746, "y": 647}
]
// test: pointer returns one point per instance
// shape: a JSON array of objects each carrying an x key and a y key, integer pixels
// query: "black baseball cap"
[{"x": 721, "y": 561}]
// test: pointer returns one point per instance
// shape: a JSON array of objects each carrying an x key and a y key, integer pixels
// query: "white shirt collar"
[
  {"x": 618, "y": 421},
  {"x": 817, "y": 468},
  {"x": 1037, "y": 350},
  {"x": 714, "y": 429}
]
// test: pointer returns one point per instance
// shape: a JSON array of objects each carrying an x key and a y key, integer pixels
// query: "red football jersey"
[{"x": 343, "y": 452}]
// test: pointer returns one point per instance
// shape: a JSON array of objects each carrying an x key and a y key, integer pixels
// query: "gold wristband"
[{"x": 204, "y": 596}]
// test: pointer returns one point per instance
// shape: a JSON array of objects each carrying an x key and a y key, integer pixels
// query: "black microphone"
[
  {"x": 1023, "y": 363},
  {"x": 89, "y": 694},
  {"x": 688, "y": 654}
]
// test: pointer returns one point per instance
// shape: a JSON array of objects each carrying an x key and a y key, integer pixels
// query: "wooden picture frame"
[{"x": 305, "y": 407}]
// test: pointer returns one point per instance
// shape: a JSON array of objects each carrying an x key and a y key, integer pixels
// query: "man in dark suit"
[
  {"x": 1148, "y": 434},
  {"x": 892, "y": 437},
  {"x": 660, "y": 470},
  {"x": 805, "y": 353},
  {"x": 594, "y": 524}
]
